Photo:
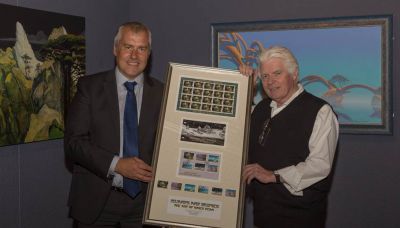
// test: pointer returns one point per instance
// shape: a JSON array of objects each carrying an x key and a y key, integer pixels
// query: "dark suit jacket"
[{"x": 93, "y": 139}]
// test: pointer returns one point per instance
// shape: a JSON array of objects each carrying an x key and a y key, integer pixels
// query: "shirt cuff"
[
  {"x": 111, "y": 170},
  {"x": 288, "y": 179}
]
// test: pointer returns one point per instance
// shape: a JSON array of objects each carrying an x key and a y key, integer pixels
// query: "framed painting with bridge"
[{"x": 346, "y": 61}]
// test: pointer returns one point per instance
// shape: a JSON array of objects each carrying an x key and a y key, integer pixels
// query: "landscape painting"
[
  {"x": 345, "y": 61},
  {"x": 42, "y": 55}
]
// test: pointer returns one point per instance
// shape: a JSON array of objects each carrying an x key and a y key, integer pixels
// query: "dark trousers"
[
  {"x": 120, "y": 211},
  {"x": 302, "y": 219}
]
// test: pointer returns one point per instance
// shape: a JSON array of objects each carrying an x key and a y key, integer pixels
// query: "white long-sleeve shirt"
[{"x": 322, "y": 146}]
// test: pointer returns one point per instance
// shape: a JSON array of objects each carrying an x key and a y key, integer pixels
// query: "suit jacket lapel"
[{"x": 110, "y": 91}]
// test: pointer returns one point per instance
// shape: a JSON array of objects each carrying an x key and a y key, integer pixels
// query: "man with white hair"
[{"x": 293, "y": 139}]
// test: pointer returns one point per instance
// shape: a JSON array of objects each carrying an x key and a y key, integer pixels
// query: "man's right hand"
[
  {"x": 134, "y": 168},
  {"x": 248, "y": 71}
]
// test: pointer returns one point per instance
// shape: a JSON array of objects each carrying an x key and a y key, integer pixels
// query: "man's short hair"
[
  {"x": 283, "y": 53},
  {"x": 133, "y": 26}
]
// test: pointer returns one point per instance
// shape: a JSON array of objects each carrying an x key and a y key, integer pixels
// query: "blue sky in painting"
[{"x": 351, "y": 52}]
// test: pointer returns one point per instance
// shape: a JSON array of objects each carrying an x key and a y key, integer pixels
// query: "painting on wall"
[
  {"x": 345, "y": 61},
  {"x": 42, "y": 55}
]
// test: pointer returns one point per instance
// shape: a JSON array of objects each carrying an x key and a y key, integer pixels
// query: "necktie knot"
[{"x": 130, "y": 86}]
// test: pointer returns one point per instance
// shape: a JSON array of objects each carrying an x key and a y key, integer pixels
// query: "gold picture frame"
[{"x": 201, "y": 149}]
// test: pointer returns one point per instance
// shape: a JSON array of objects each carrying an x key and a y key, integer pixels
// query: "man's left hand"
[{"x": 256, "y": 171}]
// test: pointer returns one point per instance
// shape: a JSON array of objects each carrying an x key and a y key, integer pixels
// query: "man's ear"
[
  {"x": 296, "y": 74},
  {"x": 115, "y": 50}
]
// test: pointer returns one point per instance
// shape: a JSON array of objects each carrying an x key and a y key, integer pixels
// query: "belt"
[{"x": 117, "y": 189}]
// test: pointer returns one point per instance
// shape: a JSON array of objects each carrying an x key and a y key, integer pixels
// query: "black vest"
[{"x": 286, "y": 145}]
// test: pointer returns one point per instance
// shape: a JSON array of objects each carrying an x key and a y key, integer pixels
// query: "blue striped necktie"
[{"x": 130, "y": 142}]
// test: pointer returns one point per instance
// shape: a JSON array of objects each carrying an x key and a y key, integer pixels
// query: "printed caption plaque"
[{"x": 201, "y": 148}]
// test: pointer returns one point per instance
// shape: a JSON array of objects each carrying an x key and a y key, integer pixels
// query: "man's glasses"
[{"x": 265, "y": 132}]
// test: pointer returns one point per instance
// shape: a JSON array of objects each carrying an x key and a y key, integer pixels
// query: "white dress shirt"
[{"x": 322, "y": 146}]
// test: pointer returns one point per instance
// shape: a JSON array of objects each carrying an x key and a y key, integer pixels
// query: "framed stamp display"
[{"x": 201, "y": 149}]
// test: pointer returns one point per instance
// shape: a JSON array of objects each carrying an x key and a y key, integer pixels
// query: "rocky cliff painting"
[{"x": 42, "y": 55}]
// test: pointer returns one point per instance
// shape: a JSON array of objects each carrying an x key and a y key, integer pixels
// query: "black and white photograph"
[{"x": 203, "y": 132}]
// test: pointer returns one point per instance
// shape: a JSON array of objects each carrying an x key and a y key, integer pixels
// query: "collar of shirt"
[
  {"x": 121, "y": 79},
  {"x": 274, "y": 107}
]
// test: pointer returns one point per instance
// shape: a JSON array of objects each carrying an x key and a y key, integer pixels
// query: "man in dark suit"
[{"x": 96, "y": 135}]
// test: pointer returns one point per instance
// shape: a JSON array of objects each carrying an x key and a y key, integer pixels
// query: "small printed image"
[
  {"x": 203, "y": 132},
  {"x": 188, "y": 155},
  {"x": 208, "y": 85},
  {"x": 190, "y": 187},
  {"x": 228, "y": 95},
  {"x": 195, "y": 106},
  {"x": 176, "y": 186},
  {"x": 207, "y": 100},
  {"x": 200, "y": 166},
  {"x": 207, "y": 93},
  {"x": 216, "y": 191},
  {"x": 185, "y": 104},
  {"x": 206, "y": 107},
  {"x": 228, "y": 102},
  {"x": 229, "y": 88},
  {"x": 216, "y": 108},
  {"x": 219, "y": 87},
  {"x": 218, "y": 94},
  {"x": 186, "y": 97},
  {"x": 213, "y": 158},
  {"x": 203, "y": 189},
  {"x": 162, "y": 184},
  {"x": 198, "y": 84},
  {"x": 187, "y": 90},
  {"x": 212, "y": 168},
  {"x": 196, "y": 98},
  {"x": 197, "y": 91},
  {"x": 230, "y": 192},
  {"x": 217, "y": 101},
  {"x": 227, "y": 109},
  {"x": 201, "y": 157},
  {"x": 187, "y": 83},
  {"x": 187, "y": 165}
]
